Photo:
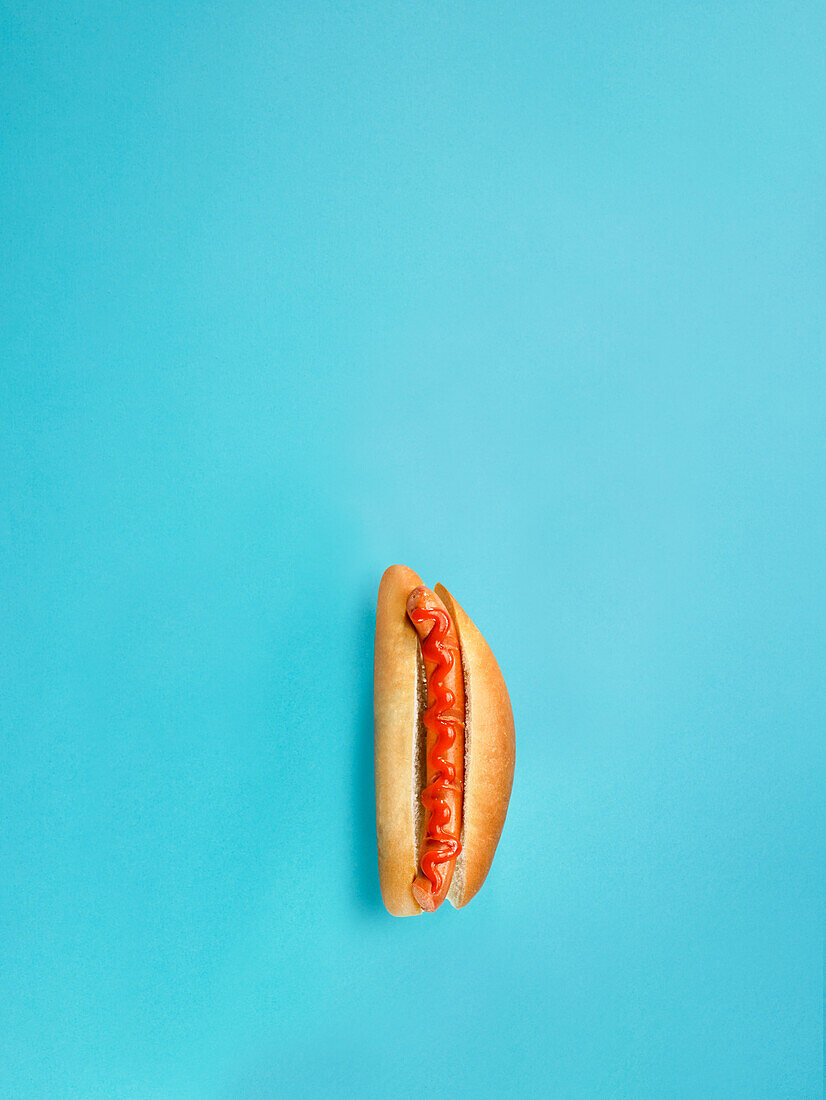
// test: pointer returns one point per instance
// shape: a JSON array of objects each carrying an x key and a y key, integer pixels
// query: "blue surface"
[{"x": 529, "y": 297}]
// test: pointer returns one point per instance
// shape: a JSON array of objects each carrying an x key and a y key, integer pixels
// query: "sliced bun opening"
[
  {"x": 419, "y": 777},
  {"x": 457, "y": 884}
]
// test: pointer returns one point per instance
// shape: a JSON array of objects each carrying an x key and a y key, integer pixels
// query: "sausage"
[{"x": 444, "y": 721}]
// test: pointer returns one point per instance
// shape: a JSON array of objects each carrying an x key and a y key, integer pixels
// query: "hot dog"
[
  {"x": 444, "y": 747},
  {"x": 444, "y": 721}
]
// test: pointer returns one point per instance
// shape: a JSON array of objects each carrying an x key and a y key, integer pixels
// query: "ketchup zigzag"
[{"x": 442, "y": 846}]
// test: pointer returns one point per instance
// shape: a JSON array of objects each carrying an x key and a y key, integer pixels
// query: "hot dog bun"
[
  {"x": 398, "y": 693},
  {"x": 399, "y": 697},
  {"x": 490, "y": 756}
]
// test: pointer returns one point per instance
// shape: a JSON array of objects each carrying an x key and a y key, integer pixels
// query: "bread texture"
[
  {"x": 397, "y": 740},
  {"x": 399, "y": 699},
  {"x": 490, "y": 756}
]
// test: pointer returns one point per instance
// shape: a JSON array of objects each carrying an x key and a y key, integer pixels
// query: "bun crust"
[
  {"x": 490, "y": 756},
  {"x": 396, "y": 698}
]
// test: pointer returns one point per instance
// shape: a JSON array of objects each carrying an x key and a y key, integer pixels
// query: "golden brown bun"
[
  {"x": 490, "y": 755},
  {"x": 396, "y": 712},
  {"x": 398, "y": 702}
]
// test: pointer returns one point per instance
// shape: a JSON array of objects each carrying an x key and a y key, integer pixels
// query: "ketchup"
[{"x": 441, "y": 843}]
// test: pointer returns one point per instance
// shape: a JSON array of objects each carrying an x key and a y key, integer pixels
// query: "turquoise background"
[{"x": 530, "y": 297}]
